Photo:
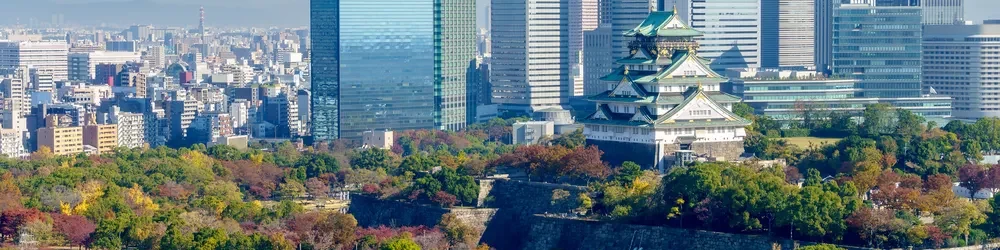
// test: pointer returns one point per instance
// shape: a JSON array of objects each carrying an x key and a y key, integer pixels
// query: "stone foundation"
[
  {"x": 730, "y": 150},
  {"x": 616, "y": 153}
]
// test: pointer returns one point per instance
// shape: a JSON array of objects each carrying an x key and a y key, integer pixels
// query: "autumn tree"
[
  {"x": 10, "y": 193},
  {"x": 75, "y": 228}
]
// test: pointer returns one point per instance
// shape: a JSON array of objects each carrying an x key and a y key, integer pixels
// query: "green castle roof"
[{"x": 656, "y": 25}]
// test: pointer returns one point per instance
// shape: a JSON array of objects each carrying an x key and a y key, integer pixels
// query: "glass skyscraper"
[
  {"x": 732, "y": 32},
  {"x": 880, "y": 47},
  {"x": 389, "y": 64}
]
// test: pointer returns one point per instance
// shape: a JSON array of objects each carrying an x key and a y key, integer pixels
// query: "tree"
[
  {"x": 372, "y": 159},
  {"x": 878, "y": 120},
  {"x": 12, "y": 220},
  {"x": 821, "y": 247},
  {"x": 974, "y": 178},
  {"x": 10, "y": 194},
  {"x": 317, "y": 164},
  {"x": 43, "y": 153},
  {"x": 456, "y": 231},
  {"x": 584, "y": 163},
  {"x": 959, "y": 217},
  {"x": 317, "y": 188},
  {"x": 75, "y": 228},
  {"x": 571, "y": 140},
  {"x": 871, "y": 224},
  {"x": 627, "y": 172},
  {"x": 291, "y": 189},
  {"x": 444, "y": 199},
  {"x": 416, "y": 163},
  {"x": 400, "y": 243},
  {"x": 816, "y": 214}
]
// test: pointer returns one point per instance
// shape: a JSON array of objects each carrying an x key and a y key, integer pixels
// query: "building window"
[{"x": 700, "y": 112}]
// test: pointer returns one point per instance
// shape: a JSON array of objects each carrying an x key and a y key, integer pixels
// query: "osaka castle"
[{"x": 662, "y": 105}]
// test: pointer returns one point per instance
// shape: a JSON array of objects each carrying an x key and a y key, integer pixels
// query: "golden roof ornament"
[
  {"x": 626, "y": 69},
  {"x": 675, "y": 9},
  {"x": 699, "y": 85}
]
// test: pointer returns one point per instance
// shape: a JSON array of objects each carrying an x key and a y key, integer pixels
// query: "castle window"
[{"x": 700, "y": 112}]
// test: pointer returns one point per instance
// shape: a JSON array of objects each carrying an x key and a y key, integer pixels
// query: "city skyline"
[{"x": 288, "y": 13}]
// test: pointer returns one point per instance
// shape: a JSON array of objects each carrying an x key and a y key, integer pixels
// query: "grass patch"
[{"x": 804, "y": 142}]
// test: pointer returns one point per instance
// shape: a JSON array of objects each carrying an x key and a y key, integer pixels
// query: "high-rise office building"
[
  {"x": 625, "y": 15},
  {"x": 48, "y": 56},
  {"x": 365, "y": 77},
  {"x": 788, "y": 36},
  {"x": 958, "y": 61},
  {"x": 823, "y": 50},
  {"x": 943, "y": 11},
  {"x": 122, "y": 46},
  {"x": 732, "y": 32},
  {"x": 881, "y": 47},
  {"x": 82, "y": 66},
  {"x": 531, "y": 62},
  {"x": 584, "y": 17}
]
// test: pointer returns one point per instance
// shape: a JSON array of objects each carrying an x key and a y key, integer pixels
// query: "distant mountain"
[{"x": 217, "y": 12}]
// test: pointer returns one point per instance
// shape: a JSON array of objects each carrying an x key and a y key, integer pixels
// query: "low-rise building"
[
  {"x": 104, "y": 137},
  {"x": 377, "y": 139},
  {"x": 61, "y": 140},
  {"x": 786, "y": 94},
  {"x": 532, "y": 132}
]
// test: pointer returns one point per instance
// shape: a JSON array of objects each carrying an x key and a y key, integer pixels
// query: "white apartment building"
[
  {"x": 133, "y": 129},
  {"x": 82, "y": 65},
  {"x": 963, "y": 62},
  {"x": 239, "y": 112},
  {"x": 47, "y": 55},
  {"x": 530, "y": 62},
  {"x": 12, "y": 143}
]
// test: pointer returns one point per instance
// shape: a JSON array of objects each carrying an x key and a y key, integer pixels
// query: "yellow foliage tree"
[
  {"x": 197, "y": 159},
  {"x": 257, "y": 158},
  {"x": 89, "y": 193},
  {"x": 140, "y": 201}
]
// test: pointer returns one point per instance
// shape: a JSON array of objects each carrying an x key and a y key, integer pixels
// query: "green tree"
[
  {"x": 821, "y": 247},
  {"x": 627, "y": 172},
  {"x": 815, "y": 214},
  {"x": 291, "y": 190},
  {"x": 572, "y": 140},
  {"x": 372, "y": 159},
  {"x": 317, "y": 164},
  {"x": 400, "y": 243},
  {"x": 416, "y": 163},
  {"x": 878, "y": 119}
]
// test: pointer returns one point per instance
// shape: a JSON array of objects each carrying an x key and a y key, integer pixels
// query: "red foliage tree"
[
  {"x": 173, "y": 191},
  {"x": 584, "y": 163},
  {"x": 869, "y": 223},
  {"x": 75, "y": 228},
  {"x": 261, "y": 179},
  {"x": 370, "y": 189},
  {"x": 973, "y": 177},
  {"x": 444, "y": 199},
  {"x": 936, "y": 236},
  {"x": 13, "y": 219},
  {"x": 937, "y": 182}
]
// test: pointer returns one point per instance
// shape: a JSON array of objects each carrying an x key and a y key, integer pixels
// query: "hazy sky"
[{"x": 286, "y": 13}]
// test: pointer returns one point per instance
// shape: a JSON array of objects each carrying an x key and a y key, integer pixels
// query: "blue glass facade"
[
  {"x": 880, "y": 47},
  {"x": 325, "y": 37},
  {"x": 376, "y": 64}
]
